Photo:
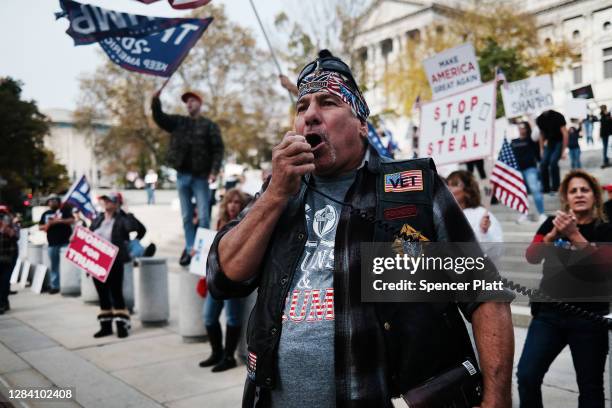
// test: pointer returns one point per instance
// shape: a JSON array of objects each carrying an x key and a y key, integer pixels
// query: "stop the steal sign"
[{"x": 92, "y": 253}]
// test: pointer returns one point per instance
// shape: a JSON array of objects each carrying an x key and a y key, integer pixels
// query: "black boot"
[
  {"x": 214, "y": 336},
  {"x": 106, "y": 325},
  {"x": 232, "y": 337},
  {"x": 122, "y": 321}
]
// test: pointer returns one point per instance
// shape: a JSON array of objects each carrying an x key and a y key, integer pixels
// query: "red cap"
[
  {"x": 4, "y": 209},
  {"x": 190, "y": 94},
  {"x": 608, "y": 188}
]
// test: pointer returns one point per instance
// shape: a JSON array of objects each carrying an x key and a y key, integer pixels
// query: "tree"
[
  {"x": 503, "y": 36},
  {"x": 225, "y": 66},
  {"x": 331, "y": 24},
  {"x": 25, "y": 164}
]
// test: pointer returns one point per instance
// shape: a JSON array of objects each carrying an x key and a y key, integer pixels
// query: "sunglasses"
[{"x": 327, "y": 64}]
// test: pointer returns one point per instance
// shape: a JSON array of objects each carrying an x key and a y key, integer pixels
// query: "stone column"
[
  {"x": 153, "y": 300},
  {"x": 191, "y": 326}
]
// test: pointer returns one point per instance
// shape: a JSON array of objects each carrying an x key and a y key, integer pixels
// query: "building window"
[
  {"x": 607, "y": 61},
  {"x": 414, "y": 35},
  {"x": 386, "y": 47},
  {"x": 363, "y": 54},
  {"x": 606, "y": 26},
  {"x": 577, "y": 73},
  {"x": 547, "y": 42},
  {"x": 576, "y": 35}
]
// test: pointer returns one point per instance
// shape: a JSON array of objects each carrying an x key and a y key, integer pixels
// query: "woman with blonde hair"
[
  {"x": 580, "y": 223},
  {"x": 222, "y": 359}
]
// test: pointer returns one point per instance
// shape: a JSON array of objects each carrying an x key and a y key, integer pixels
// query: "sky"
[{"x": 35, "y": 49}]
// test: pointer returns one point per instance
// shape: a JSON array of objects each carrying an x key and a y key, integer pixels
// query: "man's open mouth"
[{"x": 314, "y": 139}]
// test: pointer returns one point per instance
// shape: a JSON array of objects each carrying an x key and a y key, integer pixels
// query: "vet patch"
[
  {"x": 404, "y": 211},
  {"x": 410, "y": 180},
  {"x": 251, "y": 365}
]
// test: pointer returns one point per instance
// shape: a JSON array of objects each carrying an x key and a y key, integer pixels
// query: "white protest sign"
[
  {"x": 576, "y": 108},
  {"x": 16, "y": 270},
  {"x": 203, "y": 240},
  {"x": 529, "y": 96},
  {"x": 453, "y": 70},
  {"x": 459, "y": 128},
  {"x": 39, "y": 278}
]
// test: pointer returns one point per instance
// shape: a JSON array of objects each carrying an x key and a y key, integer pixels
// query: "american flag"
[
  {"x": 375, "y": 141},
  {"x": 507, "y": 180},
  {"x": 251, "y": 365}
]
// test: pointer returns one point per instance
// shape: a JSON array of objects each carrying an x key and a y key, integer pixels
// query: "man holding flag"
[{"x": 196, "y": 152}]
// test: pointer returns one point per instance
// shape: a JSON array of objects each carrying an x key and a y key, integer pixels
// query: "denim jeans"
[
  {"x": 604, "y": 141},
  {"x": 588, "y": 130},
  {"x": 190, "y": 186},
  {"x": 150, "y": 195},
  {"x": 213, "y": 307},
  {"x": 54, "y": 257},
  {"x": 532, "y": 178},
  {"x": 549, "y": 166},
  {"x": 549, "y": 332},
  {"x": 574, "y": 155}
]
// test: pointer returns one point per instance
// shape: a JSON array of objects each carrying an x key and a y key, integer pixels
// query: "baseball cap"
[
  {"x": 113, "y": 197},
  {"x": 53, "y": 197},
  {"x": 608, "y": 188},
  {"x": 190, "y": 94}
]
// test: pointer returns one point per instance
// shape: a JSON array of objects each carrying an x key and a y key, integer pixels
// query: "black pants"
[
  {"x": 6, "y": 269},
  {"x": 110, "y": 292},
  {"x": 479, "y": 165},
  {"x": 549, "y": 332}
]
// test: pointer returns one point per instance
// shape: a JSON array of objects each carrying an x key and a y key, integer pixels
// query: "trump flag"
[
  {"x": 149, "y": 45},
  {"x": 79, "y": 196}
]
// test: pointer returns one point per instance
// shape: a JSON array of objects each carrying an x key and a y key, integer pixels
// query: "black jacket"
[
  {"x": 382, "y": 349},
  {"x": 196, "y": 145},
  {"x": 120, "y": 235}
]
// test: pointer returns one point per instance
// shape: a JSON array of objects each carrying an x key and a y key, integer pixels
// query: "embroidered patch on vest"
[
  {"x": 404, "y": 211},
  {"x": 251, "y": 365},
  {"x": 410, "y": 180}
]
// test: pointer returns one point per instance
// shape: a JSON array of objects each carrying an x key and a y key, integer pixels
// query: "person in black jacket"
[
  {"x": 195, "y": 151},
  {"x": 605, "y": 131},
  {"x": 115, "y": 225},
  {"x": 311, "y": 339}
]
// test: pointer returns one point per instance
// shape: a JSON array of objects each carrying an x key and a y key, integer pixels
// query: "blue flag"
[
  {"x": 158, "y": 53},
  {"x": 375, "y": 141},
  {"x": 79, "y": 196},
  {"x": 149, "y": 45},
  {"x": 89, "y": 24}
]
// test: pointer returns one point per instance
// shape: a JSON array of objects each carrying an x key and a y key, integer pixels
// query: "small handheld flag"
[
  {"x": 508, "y": 182},
  {"x": 79, "y": 196}
]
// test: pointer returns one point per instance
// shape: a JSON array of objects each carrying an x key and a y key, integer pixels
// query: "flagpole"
[{"x": 278, "y": 67}]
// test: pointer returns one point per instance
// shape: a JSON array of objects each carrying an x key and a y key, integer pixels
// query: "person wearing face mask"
[
  {"x": 195, "y": 151},
  {"x": 114, "y": 225},
  {"x": 222, "y": 358},
  {"x": 579, "y": 224}
]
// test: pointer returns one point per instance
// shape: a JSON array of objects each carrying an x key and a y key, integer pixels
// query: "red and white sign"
[
  {"x": 92, "y": 253},
  {"x": 459, "y": 128},
  {"x": 452, "y": 71}
]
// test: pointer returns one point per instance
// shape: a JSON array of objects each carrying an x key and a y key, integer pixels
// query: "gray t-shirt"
[{"x": 306, "y": 349}]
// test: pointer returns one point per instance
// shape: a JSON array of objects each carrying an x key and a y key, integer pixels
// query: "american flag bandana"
[{"x": 333, "y": 83}]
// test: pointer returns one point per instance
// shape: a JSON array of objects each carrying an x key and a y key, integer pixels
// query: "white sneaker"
[
  {"x": 542, "y": 218},
  {"x": 522, "y": 219}
]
